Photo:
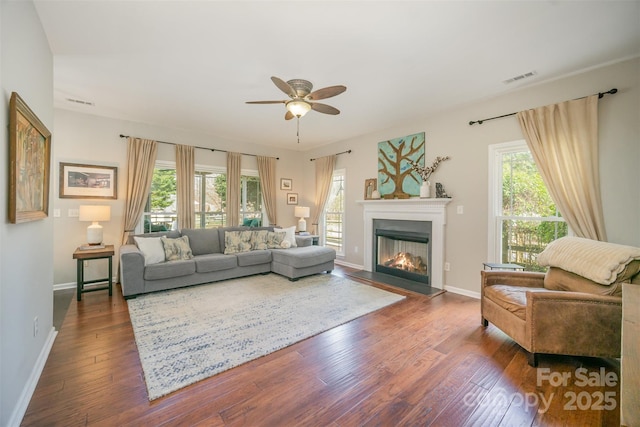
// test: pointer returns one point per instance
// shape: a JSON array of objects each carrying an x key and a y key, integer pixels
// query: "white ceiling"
[{"x": 193, "y": 64}]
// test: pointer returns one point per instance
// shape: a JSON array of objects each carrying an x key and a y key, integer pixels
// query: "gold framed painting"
[
  {"x": 29, "y": 163},
  {"x": 78, "y": 181}
]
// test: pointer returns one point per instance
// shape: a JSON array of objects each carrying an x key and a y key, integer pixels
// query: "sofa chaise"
[{"x": 208, "y": 255}]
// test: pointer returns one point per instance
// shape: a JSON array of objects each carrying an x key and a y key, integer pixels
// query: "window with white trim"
[
  {"x": 523, "y": 219},
  {"x": 333, "y": 215},
  {"x": 210, "y": 195}
]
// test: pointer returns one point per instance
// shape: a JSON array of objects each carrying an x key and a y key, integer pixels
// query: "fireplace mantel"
[{"x": 434, "y": 210}]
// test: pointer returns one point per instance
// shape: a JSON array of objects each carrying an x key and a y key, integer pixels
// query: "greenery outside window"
[
  {"x": 333, "y": 215},
  {"x": 523, "y": 218},
  {"x": 210, "y": 192}
]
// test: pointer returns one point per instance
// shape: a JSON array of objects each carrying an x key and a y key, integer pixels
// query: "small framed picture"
[
  {"x": 370, "y": 185},
  {"x": 286, "y": 184},
  {"x": 79, "y": 181},
  {"x": 292, "y": 198}
]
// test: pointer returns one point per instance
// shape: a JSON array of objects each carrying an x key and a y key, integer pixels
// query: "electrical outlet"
[
  {"x": 355, "y": 250},
  {"x": 35, "y": 326},
  {"x": 460, "y": 210},
  {"x": 56, "y": 213},
  {"x": 447, "y": 266}
]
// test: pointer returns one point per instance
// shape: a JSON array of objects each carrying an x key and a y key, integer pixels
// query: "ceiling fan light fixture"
[{"x": 298, "y": 107}]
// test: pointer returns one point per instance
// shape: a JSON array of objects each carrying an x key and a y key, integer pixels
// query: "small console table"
[
  {"x": 498, "y": 266},
  {"x": 81, "y": 255}
]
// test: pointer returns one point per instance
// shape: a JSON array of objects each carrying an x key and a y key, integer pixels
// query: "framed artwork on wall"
[
  {"x": 292, "y": 198},
  {"x": 286, "y": 184},
  {"x": 78, "y": 181},
  {"x": 29, "y": 163},
  {"x": 370, "y": 185},
  {"x": 396, "y": 178}
]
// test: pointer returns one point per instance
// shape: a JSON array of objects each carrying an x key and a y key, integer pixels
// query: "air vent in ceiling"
[
  {"x": 81, "y": 102},
  {"x": 520, "y": 77}
]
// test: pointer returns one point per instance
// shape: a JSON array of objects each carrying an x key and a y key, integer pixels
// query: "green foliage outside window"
[
  {"x": 163, "y": 187},
  {"x": 530, "y": 218}
]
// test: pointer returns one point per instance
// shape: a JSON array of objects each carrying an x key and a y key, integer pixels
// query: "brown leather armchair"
[{"x": 578, "y": 322}]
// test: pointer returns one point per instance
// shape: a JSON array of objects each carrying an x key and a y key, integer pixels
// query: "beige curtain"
[
  {"x": 563, "y": 139},
  {"x": 141, "y": 160},
  {"x": 185, "y": 175},
  {"x": 233, "y": 188},
  {"x": 267, "y": 173},
  {"x": 324, "y": 178}
]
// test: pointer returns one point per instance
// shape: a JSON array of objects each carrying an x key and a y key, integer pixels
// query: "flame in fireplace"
[{"x": 407, "y": 261}]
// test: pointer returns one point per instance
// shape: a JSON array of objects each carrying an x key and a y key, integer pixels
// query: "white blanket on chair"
[{"x": 597, "y": 261}]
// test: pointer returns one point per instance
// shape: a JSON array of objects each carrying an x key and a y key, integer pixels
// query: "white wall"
[
  {"x": 26, "y": 250},
  {"x": 465, "y": 176},
  {"x": 87, "y": 139}
]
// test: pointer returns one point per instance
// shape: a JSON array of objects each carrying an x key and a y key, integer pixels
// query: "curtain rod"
[
  {"x": 201, "y": 148},
  {"x": 337, "y": 154},
  {"x": 600, "y": 95}
]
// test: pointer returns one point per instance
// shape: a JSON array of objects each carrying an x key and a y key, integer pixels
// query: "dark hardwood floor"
[{"x": 421, "y": 362}]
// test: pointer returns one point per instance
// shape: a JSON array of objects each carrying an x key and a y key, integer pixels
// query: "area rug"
[{"x": 188, "y": 334}]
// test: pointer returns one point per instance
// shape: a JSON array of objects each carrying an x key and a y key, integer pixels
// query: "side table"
[
  {"x": 498, "y": 266},
  {"x": 82, "y": 255}
]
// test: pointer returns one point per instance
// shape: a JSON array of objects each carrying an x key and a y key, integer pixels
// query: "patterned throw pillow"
[
  {"x": 275, "y": 239},
  {"x": 259, "y": 240},
  {"x": 176, "y": 249},
  {"x": 237, "y": 241}
]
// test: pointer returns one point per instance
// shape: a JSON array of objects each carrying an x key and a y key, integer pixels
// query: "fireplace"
[
  {"x": 402, "y": 249},
  {"x": 417, "y": 211}
]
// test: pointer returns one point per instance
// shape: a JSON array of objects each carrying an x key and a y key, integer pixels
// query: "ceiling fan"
[{"x": 302, "y": 99}]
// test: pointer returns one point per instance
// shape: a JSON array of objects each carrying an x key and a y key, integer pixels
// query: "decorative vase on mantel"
[{"x": 425, "y": 190}]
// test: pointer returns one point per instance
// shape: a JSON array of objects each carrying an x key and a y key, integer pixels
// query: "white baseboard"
[
  {"x": 461, "y": 291},
  {"x": 30, "y": 386},
  {"x": 60, "y": 286},
  {"x": 348, "y": 264}
]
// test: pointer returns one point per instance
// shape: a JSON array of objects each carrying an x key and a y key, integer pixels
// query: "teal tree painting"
[{"x": 396, "y": 178}]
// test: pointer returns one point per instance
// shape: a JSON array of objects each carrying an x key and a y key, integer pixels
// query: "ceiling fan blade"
[
  {"x": 324, "y": 108},
  {"x": 327, "y": 92},
  {"x": 265, "y": 102},
  {"x": 284, "y": 86},
  {"x": 289, "y": 115}
]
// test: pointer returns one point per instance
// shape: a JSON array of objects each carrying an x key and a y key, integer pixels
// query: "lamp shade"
[
  {"x": 298, "y": 108},
  {"x": 301, "y": 212},
  {"x": 95, "y": 213}
]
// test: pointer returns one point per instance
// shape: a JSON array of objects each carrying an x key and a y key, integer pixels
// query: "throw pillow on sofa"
[
  {"x": 237, "y": 241},
  {"x": 176, "y": 249},
  {"x": 259, "y": 240},
  {"x": 275, "y": 239},
  {"x": 291, "y": 235},
  {"x": 151, "y": 248}
]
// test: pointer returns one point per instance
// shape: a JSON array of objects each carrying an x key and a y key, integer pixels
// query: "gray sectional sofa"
[{"x": 211, "y": 264}]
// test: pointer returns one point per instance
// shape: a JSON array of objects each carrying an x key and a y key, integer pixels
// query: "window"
[
  {"x": 333, "y": 215},
  {"x": 210, "y": 192},
  {"x": 523, "y": 218}
]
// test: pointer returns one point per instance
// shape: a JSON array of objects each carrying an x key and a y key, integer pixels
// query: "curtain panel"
[
  {"x": 324, "y": 178},
  {"x": 267, "y": 173},
  {"x": 141, "y": 160},
  {"x": 234, "y": 161},
  {"x": 563, "y": 139},
  {"x": 185, "y": 173}
]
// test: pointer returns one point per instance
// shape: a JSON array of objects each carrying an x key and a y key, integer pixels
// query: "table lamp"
[
  {"x": 301, "y": 212},
  {"x": 94, "y": 213}
]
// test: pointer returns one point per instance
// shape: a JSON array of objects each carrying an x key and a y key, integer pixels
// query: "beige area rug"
[{"x": 186, "y": 335}]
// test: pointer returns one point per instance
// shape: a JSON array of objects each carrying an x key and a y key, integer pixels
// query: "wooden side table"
[{"x": 82, "y": 255}]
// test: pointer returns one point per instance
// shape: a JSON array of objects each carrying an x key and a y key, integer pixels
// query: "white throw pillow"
[
  {"x": 291, "y": 235},
  {"x": 151, "y": 248}
]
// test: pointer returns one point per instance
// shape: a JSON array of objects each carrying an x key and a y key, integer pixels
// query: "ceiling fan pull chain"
[{"x": 298, "y": 130}]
